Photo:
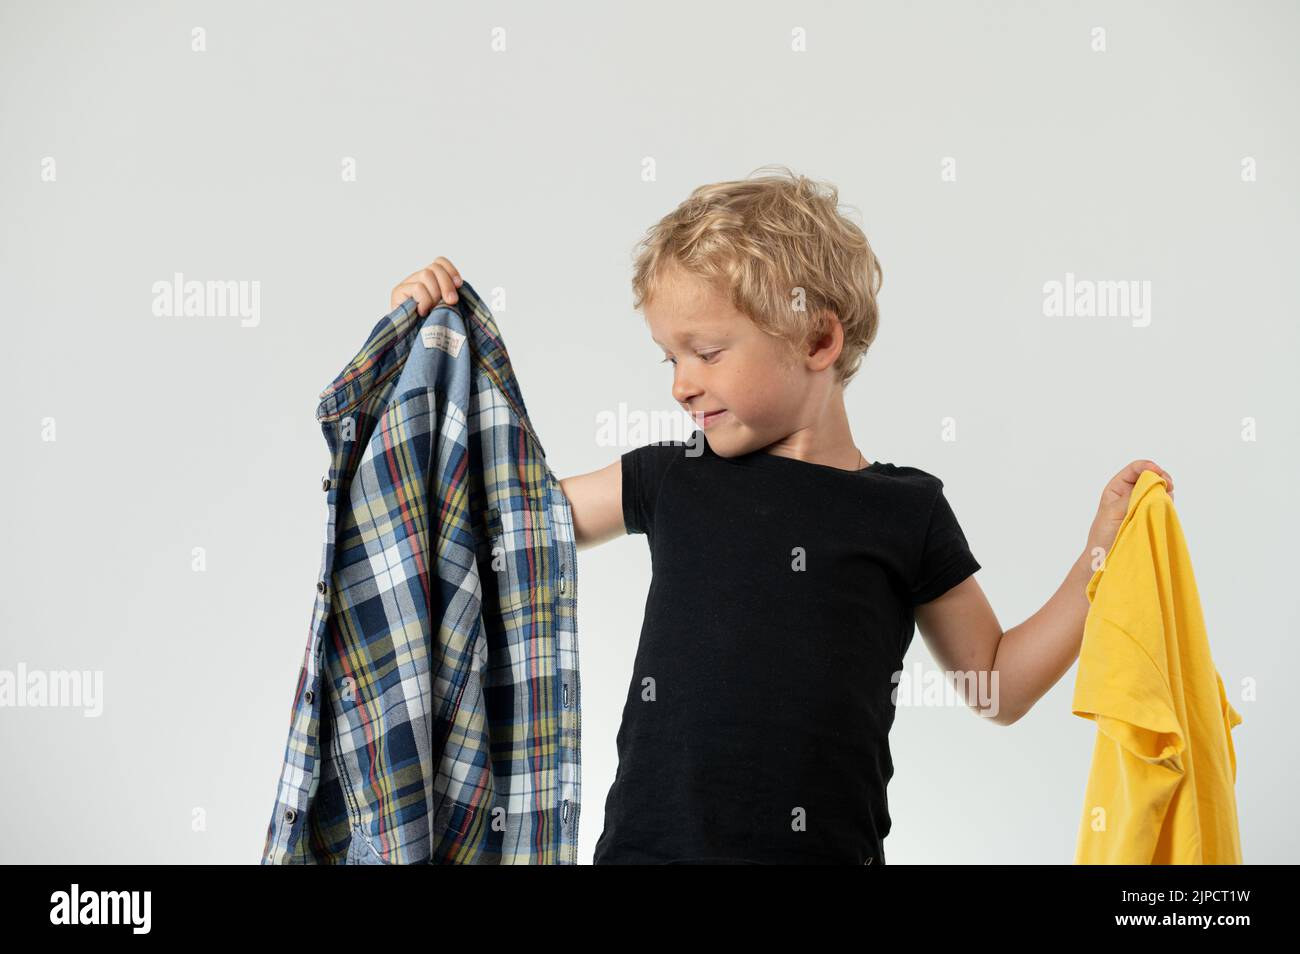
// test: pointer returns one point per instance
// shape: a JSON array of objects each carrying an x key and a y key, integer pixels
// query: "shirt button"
[
  {"x": 290, "y": 815},
  {"x": 308, "y": 695},
  {"x": 324, "y": 483},
  {"x": 564, "y": 583},
  {"x": 320, "y": 586}
]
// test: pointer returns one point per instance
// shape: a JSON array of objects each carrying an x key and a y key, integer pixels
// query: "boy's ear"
[{"x": 823, "y": 331}]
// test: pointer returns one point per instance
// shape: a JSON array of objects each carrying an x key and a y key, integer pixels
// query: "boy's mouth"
[{"x": 706, "y": 418}]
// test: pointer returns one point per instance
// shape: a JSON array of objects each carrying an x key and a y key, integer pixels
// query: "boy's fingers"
[
  {"x": 436, "y": 282},
  {"x": 439, "y": 282},
  {"x": 424, "y": 299},
  {"x": 450, "y": 269}
]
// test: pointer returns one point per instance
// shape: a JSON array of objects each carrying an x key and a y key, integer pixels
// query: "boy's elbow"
[{"x": 1005, "y": 716}]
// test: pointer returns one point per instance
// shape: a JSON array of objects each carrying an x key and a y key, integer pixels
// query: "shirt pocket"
[{"x": 516, "y": 559}]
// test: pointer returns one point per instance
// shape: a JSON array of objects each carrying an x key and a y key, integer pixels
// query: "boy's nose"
[{"x": 683, "y": 390}]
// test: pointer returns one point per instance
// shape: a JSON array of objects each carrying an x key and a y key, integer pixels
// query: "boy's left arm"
[{"x": 1021, "y": 664}]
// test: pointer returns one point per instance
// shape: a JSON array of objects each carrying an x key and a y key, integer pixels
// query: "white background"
[{"x": 527, "y": 167}]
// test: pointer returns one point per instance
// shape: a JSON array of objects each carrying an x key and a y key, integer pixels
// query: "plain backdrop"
[{"x": 533, "y": 145}]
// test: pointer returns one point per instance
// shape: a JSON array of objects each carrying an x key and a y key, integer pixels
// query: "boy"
[{"x": 789, "y": 571}]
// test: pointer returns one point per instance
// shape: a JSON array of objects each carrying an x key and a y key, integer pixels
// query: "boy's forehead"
[
  {"x": 689, "y": 338},
  {"x": 688, "y": 330},
  {"x": 687, "y": 311}
]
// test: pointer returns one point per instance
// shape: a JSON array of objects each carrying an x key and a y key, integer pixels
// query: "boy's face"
[{"x": 722, "y": 361}]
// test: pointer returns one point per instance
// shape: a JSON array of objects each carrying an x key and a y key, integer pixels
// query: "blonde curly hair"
[{"x": 779, "y": 248}]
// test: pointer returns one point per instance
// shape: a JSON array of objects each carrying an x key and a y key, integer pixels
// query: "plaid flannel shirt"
[{"x": 437, "y": 714}]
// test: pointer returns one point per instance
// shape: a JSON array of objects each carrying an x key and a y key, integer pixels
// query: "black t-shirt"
[{"x": 780, "y": 607}]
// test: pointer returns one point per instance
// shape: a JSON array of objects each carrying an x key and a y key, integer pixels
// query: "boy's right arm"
[{"x": 596, "y": 500}]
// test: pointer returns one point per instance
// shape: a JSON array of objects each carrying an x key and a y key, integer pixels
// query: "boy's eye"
[{"x": 702, "y": 356}]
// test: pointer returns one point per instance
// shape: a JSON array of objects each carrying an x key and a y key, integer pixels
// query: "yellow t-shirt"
[{"x": 1161, "y": 786}]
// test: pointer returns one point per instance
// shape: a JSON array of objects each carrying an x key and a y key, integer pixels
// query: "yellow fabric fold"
[{"x": 1160, "y": 788}]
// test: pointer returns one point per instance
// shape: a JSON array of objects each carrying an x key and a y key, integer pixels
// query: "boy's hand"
[
  {"x": 1114, "y": 502},
  {"x": 436, "y": 282}
]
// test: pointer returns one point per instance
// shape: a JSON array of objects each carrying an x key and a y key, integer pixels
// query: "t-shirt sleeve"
[
  {"x": 644, "y": 469},
  {"x": 946, "y": 558}
]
